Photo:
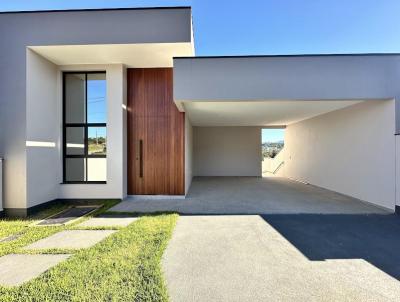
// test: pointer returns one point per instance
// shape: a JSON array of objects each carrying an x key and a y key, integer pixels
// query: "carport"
[
  {"x": 339, "y": 112},
  {"x": 345, "y": 146}
]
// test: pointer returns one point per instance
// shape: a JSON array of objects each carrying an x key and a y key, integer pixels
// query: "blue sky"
[
  {"x": 226, "y": 27},
  {"x": 272, "y": 135},
  {"x": 96, "y": 93}
]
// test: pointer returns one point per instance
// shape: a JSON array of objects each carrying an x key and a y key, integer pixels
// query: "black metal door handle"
[{"x": 141, "y": 158}]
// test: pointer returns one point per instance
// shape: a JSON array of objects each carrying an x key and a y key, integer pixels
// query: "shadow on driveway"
[{"x": 374, "y": 238}]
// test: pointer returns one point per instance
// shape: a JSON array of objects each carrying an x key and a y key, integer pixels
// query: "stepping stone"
[
  {"x": 16, "y": 269},
  {"x": 108, "y": 221},
  {"x": 71, "y": 240},
  {"x": 69, "y": 215},
  {"x": 10, "y": 238}
]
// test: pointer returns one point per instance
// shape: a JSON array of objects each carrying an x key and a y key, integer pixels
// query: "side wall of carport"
[
  {"x": 330, "y": 77},
  {"x": 351, "y": 150}
]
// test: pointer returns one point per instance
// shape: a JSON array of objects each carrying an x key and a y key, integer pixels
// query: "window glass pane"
[
  {"x": 96, "y": 98},
  {"x": 97, "y": 169},
  {"x": 97, "y": 141},
  {"x": 75, "y": 169},
  {"x": 75, "y": 138},
  {"x": 75, "y": 98},
  {"x": 85, "y": 102}
]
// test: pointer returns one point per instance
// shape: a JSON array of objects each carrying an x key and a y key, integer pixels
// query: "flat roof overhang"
[
  {"x": 138, "y": 37},
  {"x": 279, "y": 90}
]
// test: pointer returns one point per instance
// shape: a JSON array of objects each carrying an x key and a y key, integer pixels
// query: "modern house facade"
[{"x": 105, "y": 104}]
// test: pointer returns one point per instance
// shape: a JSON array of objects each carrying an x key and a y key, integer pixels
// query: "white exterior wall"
[
  {"x": 42, "y": 131},
  {"x": 227, "y": 151},
  {"x": 351, "y": 151},
  {"x": 124, "y": 134},
  {"x": 44, "y": 125},
  {"x": 188, "y": 154},
  {"x": 116, "y": 137}
]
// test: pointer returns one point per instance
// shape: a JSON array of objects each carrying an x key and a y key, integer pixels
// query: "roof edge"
[
  {"x": 291, "y": 55},
  {"x": 96, "y": 9}
]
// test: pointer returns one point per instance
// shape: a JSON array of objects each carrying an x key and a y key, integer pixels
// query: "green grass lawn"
[{"x": 123, "y": 267}]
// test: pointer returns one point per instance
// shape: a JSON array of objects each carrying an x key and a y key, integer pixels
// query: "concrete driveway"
[
  {"x": 307, "y": 257},
  {"x": 273, "y": 239},
  {"x": 251, "y": 195}
]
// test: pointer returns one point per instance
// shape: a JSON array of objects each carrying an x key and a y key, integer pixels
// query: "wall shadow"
[{"x": 374, "y": 238}]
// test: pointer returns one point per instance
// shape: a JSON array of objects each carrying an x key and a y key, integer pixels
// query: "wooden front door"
[{"x": 156, "y": 142}]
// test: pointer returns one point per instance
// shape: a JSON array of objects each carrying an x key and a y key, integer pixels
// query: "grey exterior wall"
[
  {"x": 19, "y": 30},
  {"x": 289, "y": 77}
]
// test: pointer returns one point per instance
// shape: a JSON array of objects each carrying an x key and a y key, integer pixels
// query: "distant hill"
[
  {"x": 271, "y": 149},
  {"x": 278, "y": 143}
]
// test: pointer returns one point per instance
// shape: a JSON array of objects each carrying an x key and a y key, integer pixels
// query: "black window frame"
[{"x": 85, "y": 125}]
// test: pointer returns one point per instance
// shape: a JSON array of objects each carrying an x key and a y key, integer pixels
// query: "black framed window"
[{"x": 84, "y": 127}]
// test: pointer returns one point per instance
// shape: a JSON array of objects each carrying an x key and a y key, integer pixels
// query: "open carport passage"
[{"x": 343, "y": 146}]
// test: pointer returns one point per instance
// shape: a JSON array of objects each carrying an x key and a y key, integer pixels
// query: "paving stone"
[
  {"x": 10, "y": 238},
  {"x": 68, "y": 215},
  {"x": 108, "y": 221},
  {"x": 74, "y": 239},
  {"x": 16, "y": 269}
]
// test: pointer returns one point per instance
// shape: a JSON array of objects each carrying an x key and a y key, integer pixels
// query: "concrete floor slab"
[
  {"x": 255, "y": 258},
  {"x": 16, "y": 269},
  {"x": 108, "y": 221},
  {"x": 74, "y": 239},
  {"x": 252, "y": 195}
]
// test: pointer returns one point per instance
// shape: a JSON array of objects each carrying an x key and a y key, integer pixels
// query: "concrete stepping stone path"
[
  {"x": 108, "y": 221},
  {"x": 16, "y": 269},
  {"x": 73, "y": 239},
  {"x": 68, "y": 215}
]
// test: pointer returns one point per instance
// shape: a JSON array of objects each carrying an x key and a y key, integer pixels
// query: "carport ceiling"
[{"x": 258, "y": 113}]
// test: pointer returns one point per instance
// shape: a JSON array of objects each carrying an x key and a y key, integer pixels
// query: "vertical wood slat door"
[{"x": 156, "y": 132}]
